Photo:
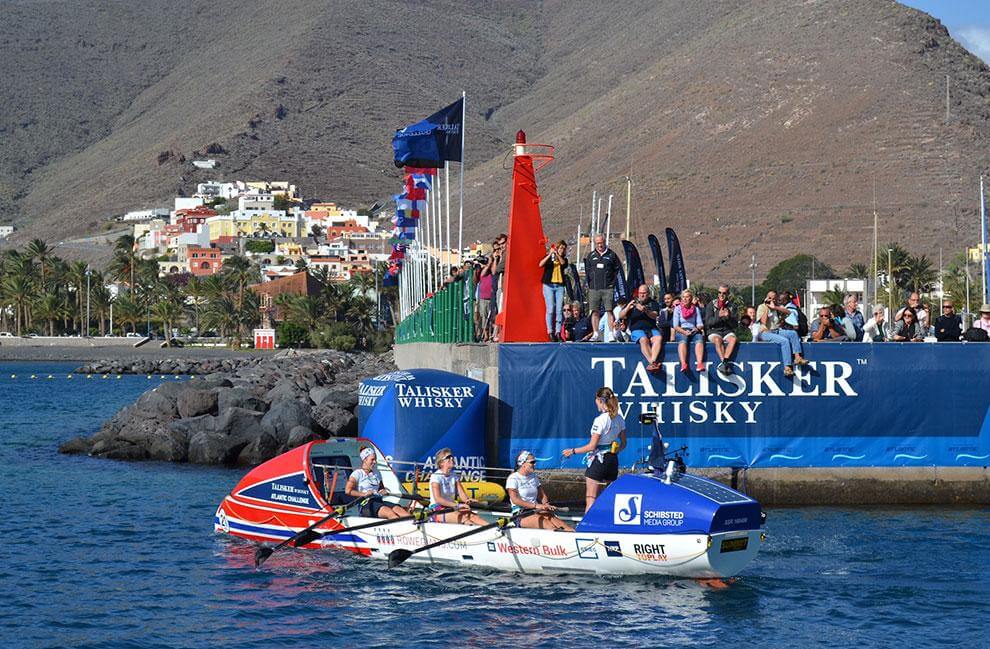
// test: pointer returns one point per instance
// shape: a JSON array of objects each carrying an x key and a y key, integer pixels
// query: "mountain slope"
[{"x": 756, "y": 126}]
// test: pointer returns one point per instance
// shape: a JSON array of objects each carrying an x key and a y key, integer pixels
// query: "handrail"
[{"x": 445, "y": 317}]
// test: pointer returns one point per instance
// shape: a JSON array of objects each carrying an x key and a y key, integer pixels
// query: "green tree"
[
  {"x": 50, "y": 307},
  {"x": 41, "y": 252},
  {"x": 793, "y": 274}
]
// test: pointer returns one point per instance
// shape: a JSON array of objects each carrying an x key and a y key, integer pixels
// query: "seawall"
[{"x": 807, "y": 485}]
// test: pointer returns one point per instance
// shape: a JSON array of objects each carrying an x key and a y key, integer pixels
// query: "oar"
[
  {"x": 396, "y": 557},
  {"x": 420, "y": 515},
  {"x": 264, "y": 551}
]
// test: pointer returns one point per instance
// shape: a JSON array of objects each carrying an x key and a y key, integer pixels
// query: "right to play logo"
[{"x": 627, "y": 508}]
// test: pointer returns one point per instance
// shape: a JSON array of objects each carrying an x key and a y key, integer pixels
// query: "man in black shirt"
[
  {"x": 581, "y": 330},
  {"x": 600, "y": 268},
  {"x": 948, "y": 326},
  {"x": 641, "y": 315},
  {"x": 720, "y": 323}
]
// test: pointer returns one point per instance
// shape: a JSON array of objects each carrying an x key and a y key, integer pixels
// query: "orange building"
[{"x": 204, "y": 261}]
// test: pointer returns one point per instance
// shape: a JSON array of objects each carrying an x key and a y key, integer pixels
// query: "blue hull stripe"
[{"x": 282, "y": 532}]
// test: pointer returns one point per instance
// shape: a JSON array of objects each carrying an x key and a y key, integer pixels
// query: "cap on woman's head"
[
  {"x": 985, "y": 308},
  {"x": 366, "y": 453},
  {"x": 521, "y": 458}
]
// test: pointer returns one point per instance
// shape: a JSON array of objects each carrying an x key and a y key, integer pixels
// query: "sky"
[{"x": 968, "y": 21}]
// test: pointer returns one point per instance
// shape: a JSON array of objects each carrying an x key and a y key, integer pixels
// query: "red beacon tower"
[{"x": 521, "y": 316}]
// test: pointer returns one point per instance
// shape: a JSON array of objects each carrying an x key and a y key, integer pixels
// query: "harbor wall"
[{"x": 915, "y": 431}]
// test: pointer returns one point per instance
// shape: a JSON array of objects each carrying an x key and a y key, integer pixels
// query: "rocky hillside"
[{"x": 747, "y": 125}]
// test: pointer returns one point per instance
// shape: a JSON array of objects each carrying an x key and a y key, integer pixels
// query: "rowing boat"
[{"x": 683, "y": 524}]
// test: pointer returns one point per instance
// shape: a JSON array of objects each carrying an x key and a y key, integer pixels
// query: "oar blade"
[
  {"x": 261, "y": 554},
  {"x": 396, "y": 557},
  {"x": 305, "y": 537}
]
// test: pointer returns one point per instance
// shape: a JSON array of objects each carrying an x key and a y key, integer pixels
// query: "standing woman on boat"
[
  {"x": 446, "y": 491},
  {"x": 367, "y": 482},
  {"x": 608, "y": 437},
  {"x": 525, "y": 492}
]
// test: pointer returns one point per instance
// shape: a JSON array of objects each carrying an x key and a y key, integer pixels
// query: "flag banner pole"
[
  {"x": 983, "y": 242},
  {"x": 608, "y": 220},
  {"x": 434, "y": 269},
  {"x": 460, "y": 216},
  {"x": 594, "y": 199},
  {"x": 446, "y": 184}
]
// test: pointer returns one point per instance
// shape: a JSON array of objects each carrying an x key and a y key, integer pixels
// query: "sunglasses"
[
  {"x": 449, "y": 457},
  {"x": 530, "y": 462},
  {"x": 947, "y": 306},
  {"x": 723, "y": 292}
]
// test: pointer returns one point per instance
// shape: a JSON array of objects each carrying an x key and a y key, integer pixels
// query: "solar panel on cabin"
[{"x": 712, "y": 490}]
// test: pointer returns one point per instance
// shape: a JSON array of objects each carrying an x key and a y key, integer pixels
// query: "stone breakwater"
[
  {"x": 193, "y": 366},
  {"x": 238, "y": 412}
]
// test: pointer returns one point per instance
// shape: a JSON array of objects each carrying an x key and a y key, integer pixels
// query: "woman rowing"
[
  {"x": 525, "y": 492},
  {"x": 608, "y": 437},
  {"x": 446, "y": 491},
  {"x": 366, "y": 482}
]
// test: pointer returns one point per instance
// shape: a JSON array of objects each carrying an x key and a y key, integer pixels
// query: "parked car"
[
  {"x": 133, "y": 334},
  {"x": 6, "y": 334}
]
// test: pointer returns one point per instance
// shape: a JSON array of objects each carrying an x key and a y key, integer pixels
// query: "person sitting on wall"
[
  {"x": 720, "y": 325},
  {"x": 825, "y": 329},
  {"x": 876, "y": 329},
  {"x": 983, "y": 322},
  {"x": 621, "y": 333},
  {"x": 690, "y": 328},
  {"x": 567, "y": 326},
  {"x": 581, "y": 332},
  {"x": 767, "y": 328},
  {"x": 641, "y": 314},
  {"x": 948, "y": 326},
  {"x": 921, "y": 315},
  {"x": 853, "y": 321},
  {"x": 909, "y": 330},
  {"x": 665, "y": 318}
]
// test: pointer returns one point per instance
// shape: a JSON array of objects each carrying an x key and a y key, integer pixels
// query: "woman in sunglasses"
[
  {"x": 366, "y": 482},
  {"x": 446, "y": 491},
  {"x": 525, "y": 492}
]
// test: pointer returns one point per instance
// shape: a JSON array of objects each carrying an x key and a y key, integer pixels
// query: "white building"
[
  {"x": 255, "y": 202},
  {"x": 6, "y": 231},
  {"x": 205, "y": 164},
  {"x": 814, "y": 297},
  {"x": 146, "y": 215},
  {"x": 187, "y": 203}
]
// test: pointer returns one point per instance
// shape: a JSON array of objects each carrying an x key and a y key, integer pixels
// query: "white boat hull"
[{"x": 534, "y": 551}]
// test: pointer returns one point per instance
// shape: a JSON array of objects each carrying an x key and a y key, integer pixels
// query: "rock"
[
  {"x": 262, "y": 448},
  {"x": 284, "y": 389},
  {"x": 343, "y": 396},
  {"x": 193, "y": 425},
  {"x": 333, "y": 420},
  {"x": 319, "y": 394},
  {"x": 284, "y": 416},
  {"x": 215, "y": 448},
  {"x": 169, "y": 446},
  {"x": 239, "y": 422},
  {"x": 76, "y": 446},
  {"x": 239, "y": 397},
  {"x": 125, "y": 452},
  {"x": 155, "y": 404},
  {"x": 299, "y": 435},
  {"x": 192, "y": 403}
]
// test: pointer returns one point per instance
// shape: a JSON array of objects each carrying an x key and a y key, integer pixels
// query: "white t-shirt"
[
  {"x": 448, "y": 486},
  {"x": 608, "y": 429},
  {"x": 367, "y": 481},
  {"x": 527, "y": 486}
]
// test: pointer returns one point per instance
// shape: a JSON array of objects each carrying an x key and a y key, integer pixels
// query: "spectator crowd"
[{"x": 651, "y": 319}]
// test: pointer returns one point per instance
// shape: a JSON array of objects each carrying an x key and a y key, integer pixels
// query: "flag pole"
[
  {"x": 427, "y": 234},
  {"x": 460, "y": 216},
  {"x": 593, "y": 226},
  {"x": 435, "y": 214},
  {"x": 577, "y": 254},
  {"x": 983, "y": 241},
  {"x": 446, "y": 184}
]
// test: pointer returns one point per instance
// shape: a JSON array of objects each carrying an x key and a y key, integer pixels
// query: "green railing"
[{"x": 446, "y": 317}]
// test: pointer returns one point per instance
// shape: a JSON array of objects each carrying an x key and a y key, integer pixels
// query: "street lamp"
[
  {"x": 752, "y": 268},
  {"x": 89, "y": 271}
]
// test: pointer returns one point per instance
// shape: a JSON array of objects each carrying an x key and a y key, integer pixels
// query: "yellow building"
[{"x": 974, "y": 253}]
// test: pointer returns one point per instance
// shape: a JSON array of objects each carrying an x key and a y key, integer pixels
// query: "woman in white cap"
[
  {"x": 525, "y": 492},
  {"x": 366, "y": 482},
  {"x": 446, "y": 491}
]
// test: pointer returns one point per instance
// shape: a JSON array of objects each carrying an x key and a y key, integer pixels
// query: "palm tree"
[
  {"x": 100, "y": 299},
  {"x": 919, "y": 273},
  {"x": 305, "y": 311},
  {"x": 128, "y": 311},
  {"x": 76, "y": 277},
  {"x": 240, "y": 272},
  {"x": 38, "y": 250},
  {"x": 125, "y": 259},
  {"x": 18, "y": 291},
  {"x": 221, "y": 314},
  {"x": 858, "y": 270},
  {"x": 168, "y": 311},
  {"x": 50, "y": 307}
]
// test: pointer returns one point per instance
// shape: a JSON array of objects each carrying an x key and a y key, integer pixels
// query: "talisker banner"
[
  {"x": 856, "y": 404},
  {"x": 410, "y": 415}
]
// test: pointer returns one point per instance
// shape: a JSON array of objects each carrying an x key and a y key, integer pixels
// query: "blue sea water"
[{"x": 98, "y": 553}]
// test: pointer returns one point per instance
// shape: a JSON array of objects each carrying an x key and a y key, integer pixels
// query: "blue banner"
[
  {"x": 856, "y": 404},
  {"x": 410, "y": 415},
  {"x": 428, "y": 143}
]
